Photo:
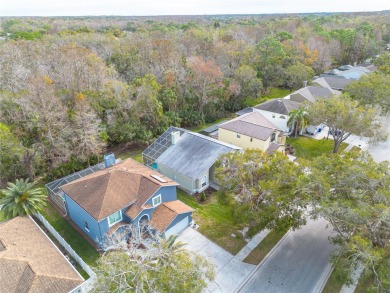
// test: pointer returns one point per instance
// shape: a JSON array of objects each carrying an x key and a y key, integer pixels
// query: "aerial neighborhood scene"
[{"x": 195, "y": 146}]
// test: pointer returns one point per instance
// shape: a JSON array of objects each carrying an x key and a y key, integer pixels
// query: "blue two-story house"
[{"x": 125, "y": 193}]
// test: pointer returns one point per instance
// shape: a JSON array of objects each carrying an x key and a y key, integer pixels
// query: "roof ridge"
[
  {"x": 259, "y": 124},
  {"x": 215, "y": 140},
  {"x": 105, "y": 194},
  {"x": 164, "y": 203}
]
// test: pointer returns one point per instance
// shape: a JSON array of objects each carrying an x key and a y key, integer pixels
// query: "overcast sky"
[{"x": 181, "y": 7}]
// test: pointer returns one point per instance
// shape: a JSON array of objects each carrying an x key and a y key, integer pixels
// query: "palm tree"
[
  {"x": 298, "y": 118},
  {"x": 20, "y": 199}
]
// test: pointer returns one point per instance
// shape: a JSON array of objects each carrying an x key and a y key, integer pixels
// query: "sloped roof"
[
  {"x": 166, "y": 213},
  {"x": 351, "y": 73},
  {"x": 194, "y": 154},
  {"x": 312, "y": 93},
  {"x": 107, "y": 191},
  {"x": 280, "y": 106},
  {"x": 31, "y": 263},
  {"x": 253, "y": 124},
  {"x": 333, "y": 82},
  {"x": 244, "y": 111}
]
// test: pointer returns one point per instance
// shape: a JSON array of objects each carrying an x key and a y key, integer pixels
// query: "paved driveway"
[
  {"x": 298, "y": 264},
  {"x": 230, "y": 272}
]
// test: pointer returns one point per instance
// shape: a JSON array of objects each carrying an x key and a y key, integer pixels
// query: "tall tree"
[
  {"x": 165, "y": 267},
  {"x": 353, "y": 193},
  {"x": 20, "y": 198},
  {"x": 344, "y": 117},
  {"x": 373, "y": 89},
  {"x": 262, "y": 188}
]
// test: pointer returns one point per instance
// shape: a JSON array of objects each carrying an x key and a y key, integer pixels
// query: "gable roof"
[
  {"x": 350, "y": 72},
  {"x": 194, "y": 154},
  {"x": 279, "y": 106},
  {"x": 107, "y": 191},
  {"x": 30, "y": 262},
  {"x": 333, "y": 82},
  {"x": 251, "y": 124},
  {"x": 311, "y": 93},
  {"x": 167, "y": 212}
]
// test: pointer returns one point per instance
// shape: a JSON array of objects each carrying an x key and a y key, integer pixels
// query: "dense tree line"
[{"x": 71, "y": 86}]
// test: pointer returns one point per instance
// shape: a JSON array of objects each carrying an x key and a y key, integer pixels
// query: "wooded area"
[{"x": 70, "y": 87}]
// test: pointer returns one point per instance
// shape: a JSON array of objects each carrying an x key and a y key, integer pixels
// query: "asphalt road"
[{"x": 300, "y": 262}]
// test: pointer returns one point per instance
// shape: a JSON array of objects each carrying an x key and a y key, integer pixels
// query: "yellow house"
[{"x": 252, "y": 131}]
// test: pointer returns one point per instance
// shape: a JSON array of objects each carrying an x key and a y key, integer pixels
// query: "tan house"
[
  {"x": 30, "y": 262},
  {"x": 252, "y": 131}
]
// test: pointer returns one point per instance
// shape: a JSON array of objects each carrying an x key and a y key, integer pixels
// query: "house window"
[
  {"x": 204, "y": 181},
  {"x": 273, "y": 136},
  {"x": 238, "y": 136},
  {"x": 156, "y": 200},
  {"x": 282, "y": 117},
  {"x": 86, "y": 226},
  {"x": 114, "y": 218},
  {"x": 251, "y": 139},
  {"x": 273, "y": 115}
]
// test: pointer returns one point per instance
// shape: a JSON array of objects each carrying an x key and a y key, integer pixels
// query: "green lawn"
[
  {"x": 309, "y": 148},
  {"x": 75, "y": 240},
  {"x": 333, "y": 284},
  {"x": 134, "y": 154},
  {"x": 265, "y": 246},
  {"x": 216, "y": 222},
  {"x": 365, "y": 282},
  {"x": 205, "y": 125},
  {"x": 275, "y": 93}
]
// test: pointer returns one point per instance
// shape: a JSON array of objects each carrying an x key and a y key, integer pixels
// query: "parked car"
[{"x": 337, "y": 132}]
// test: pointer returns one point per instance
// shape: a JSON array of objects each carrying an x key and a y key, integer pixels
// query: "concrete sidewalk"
[{"x": 247, "y": 249}]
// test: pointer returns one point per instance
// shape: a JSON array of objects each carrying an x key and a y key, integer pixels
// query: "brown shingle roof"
[
  {"x": 30, "y": 262},
  {"x": 166, "y": 213},
  {"x": 252, "y": 124},
  {"x": 107, "y": 191}
]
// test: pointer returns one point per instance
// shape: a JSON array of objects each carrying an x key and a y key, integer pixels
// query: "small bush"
[{"x": 202, "y": 197}]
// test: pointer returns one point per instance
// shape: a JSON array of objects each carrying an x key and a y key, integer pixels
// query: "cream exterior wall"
[{"x": 245, "y": 141}]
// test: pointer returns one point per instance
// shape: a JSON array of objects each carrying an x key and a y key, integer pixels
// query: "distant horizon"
[{"x": 153, "y": 8}]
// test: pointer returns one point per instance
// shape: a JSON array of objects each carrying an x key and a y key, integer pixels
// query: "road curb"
[{"x": 245, "y": 281}]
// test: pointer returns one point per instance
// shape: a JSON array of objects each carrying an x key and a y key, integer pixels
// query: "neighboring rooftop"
[
  {"x": 348, "y": 72},
  {"x": 311, "y": 93},
  {"x": 333, "y": 82},
  {"x": 109, "y": 190},
  {"x": 244, "y": 111},
  {"x": 30, "y": 262},
  {"x": 212, "y": 128},
  {"x": 252, "y": 124},
  {"x": 280, "y": 106},
  {"x": 193, "y": 153}
]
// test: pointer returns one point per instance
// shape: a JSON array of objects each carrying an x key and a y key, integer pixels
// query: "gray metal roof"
[
  {"x": 280, "y": 106},
  {"x": 194, "y": 154}
]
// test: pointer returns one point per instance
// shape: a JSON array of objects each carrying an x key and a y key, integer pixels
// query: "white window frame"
[
  {"x": 156, "y": 197},
  {"x": 86, "y": 226},
  {"x": 203, "y": 181},
  {"x": 120, "y": 218}
]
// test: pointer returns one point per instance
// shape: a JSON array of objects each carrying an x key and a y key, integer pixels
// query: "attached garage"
[{"x": 178, "y": 228}]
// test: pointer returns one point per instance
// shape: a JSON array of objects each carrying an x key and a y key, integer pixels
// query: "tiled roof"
[
  {"x": 253, "y": 124},
  {"x": 280, "y": 106},
  {"x": 29, "y": 262},
  {"x": 107, "y": 191},
  {"x": 166, "y": 213}
]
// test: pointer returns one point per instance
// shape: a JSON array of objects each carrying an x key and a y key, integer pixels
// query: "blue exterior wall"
[
  {"x": 79, "y": 216},
  {"x": 97, "y": 230}
]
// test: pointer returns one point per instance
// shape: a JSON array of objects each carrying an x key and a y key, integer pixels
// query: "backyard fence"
[{"x": 86, "y": 286}]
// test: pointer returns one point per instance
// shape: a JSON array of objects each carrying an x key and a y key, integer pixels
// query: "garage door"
[{"x": 177, "y": 228}]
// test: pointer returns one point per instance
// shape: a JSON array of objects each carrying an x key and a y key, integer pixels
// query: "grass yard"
[
  {"x": 75, "y": 240},
  {"x": 333, "y": 284},
  {"x": 275, "y": 93},
  {"x": 216, "y": 222},
  {"x": 309, "y": 148},
  {"x": 364, "y": 283},
  {"x": 265, "y": 246},
  {"x": 205, "y": 125},
  {"x": 134, "y": 154}
]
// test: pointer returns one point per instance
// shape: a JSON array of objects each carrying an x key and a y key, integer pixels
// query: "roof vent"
[
  {"x": 158, "y": 178},
  {"x": 109, "y": 160},
  {"x": 175, "y": 136}
]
